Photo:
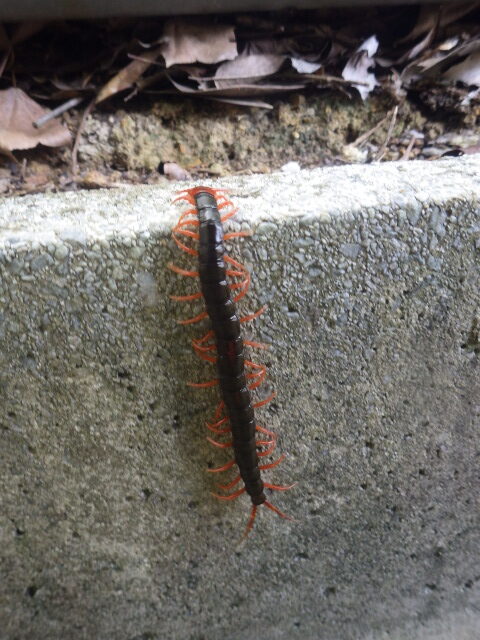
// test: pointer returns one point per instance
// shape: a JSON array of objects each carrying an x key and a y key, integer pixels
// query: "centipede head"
[{"x": 188, "y": 195}]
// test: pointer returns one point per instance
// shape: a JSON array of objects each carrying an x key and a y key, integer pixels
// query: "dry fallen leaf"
[
  {"x": 93, "y": 179},
  {"x": 439, "y": 62},
  {"x": 431, "y": 17},
  {"x": 237, "y": 91},
  {"x": 467, "y": 71},
  {"x": 251, "y": 67},
  {"x": 128, "y": 75},
  {"x": 187, "y": 41},
  {"x": 17, "y": 114},
  {"x": 357, "y": 68},
  {"x": 304, "y": 66}
]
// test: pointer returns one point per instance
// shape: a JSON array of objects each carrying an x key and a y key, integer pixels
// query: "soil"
[{"x": 123, "y": 144}]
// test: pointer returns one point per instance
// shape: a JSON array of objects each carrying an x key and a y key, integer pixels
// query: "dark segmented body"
[{"x": 229, "y": 343}]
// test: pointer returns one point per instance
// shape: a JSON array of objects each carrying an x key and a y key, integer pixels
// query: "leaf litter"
[{"x": 424, "y": 57}]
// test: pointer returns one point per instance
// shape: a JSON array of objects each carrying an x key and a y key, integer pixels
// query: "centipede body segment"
[{"x": 223, "y": 282}]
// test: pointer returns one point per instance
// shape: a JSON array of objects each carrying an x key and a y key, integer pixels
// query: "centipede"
[{"x": 224, "y": 281}]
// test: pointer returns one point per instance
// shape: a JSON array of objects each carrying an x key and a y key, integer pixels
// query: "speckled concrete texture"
[{"x": 107, "y": 524}]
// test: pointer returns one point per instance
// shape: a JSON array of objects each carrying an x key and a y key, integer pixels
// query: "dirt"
[{"x": 125, "y": 144}]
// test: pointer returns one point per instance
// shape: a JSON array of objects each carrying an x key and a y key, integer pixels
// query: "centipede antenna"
[
  {"x": 276, "y": 510},
  {"x": 251, "y": 521}
]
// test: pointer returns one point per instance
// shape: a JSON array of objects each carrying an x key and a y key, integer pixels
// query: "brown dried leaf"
[
  {"x": 17, "y": 113},
  {"x": 431, "y": 17},
  {"x": 250, "y": 67},
  {"x": 187, "y": 41},
  {"x": 128, "y": 75},
  {"x": 93, "y": 179}
]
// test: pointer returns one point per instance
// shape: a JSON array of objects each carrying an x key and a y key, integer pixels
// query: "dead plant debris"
[{"x": 424, "y": 56}]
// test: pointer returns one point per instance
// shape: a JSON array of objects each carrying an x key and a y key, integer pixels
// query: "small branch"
[
  {"x": 56, "y": 112},
  {"x": 85, "y": 115},
  {"x": 383, "y": 148},
  {"x": 408, "y": 150},
  {"x": 365, "y": 136}
]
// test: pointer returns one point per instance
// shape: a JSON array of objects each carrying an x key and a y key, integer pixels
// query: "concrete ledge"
[{"x": 107, "y": 525}]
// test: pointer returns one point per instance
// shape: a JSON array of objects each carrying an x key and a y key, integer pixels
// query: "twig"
[
  {"x": 383, "y": 148},
  {"x": 4, "y": 61},
  {"x": 365, "y": 136},
  {"x": 408, "y": 150},
  {"x": 85, "y": 115},
  {"x": 56, "y": 112}
]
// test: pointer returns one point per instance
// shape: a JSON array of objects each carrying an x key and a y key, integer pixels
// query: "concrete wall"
[{"x": 107, "y": 525}]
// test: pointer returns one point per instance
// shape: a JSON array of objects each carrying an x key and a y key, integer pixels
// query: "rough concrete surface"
[{"x": 107, "y": 524}]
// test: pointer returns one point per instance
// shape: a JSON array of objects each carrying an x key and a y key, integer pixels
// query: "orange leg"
[
  {"x": 198, "y": 346},
  {"x": 256, "y": 345},
  {"x": 266, "y": 431},
  {"x": 200, "y": 316},
  {"x": 225, "y": 467},
  {"x": 218, "y": 423},
  {"x": 232, "y": 496},
  {"x": 278, "y": 487},
  {"x": 228, "y": 215},
  {"x": 192, "y": 296},
  {"x": 186, "y": 232},
  {"x": 264, "y": 402},
  {"x": 264, "y": 467},
  {"x": 183, "y": 247},
  {"x": 189, "y": 212},
  {"x": 221, "y": 204},
  {"x": 267, "y": 452},
  {"x": 235, "y": 263},
  {"x": 220, "y": 445},
  {"x": 258, "y": 376},
  {"x": 238, "y": 285},
  {"x": 203, "y": 352},
  {"x": 206, "y": 357},
  {"x": 202, "y": 385},
  {"x": 230, "y": 485},
  {"x": 252, "y": 316},
  {"x": 219, "y": 431},
  {"x": 238, "y": 234},
  {"x": 183, "y": 272},
  {"x": 264, "y": 443},
  {"x": 186, "y": 223},
  {"x": 189, "y": 217},
  {"x": 245, "y": 284}
]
